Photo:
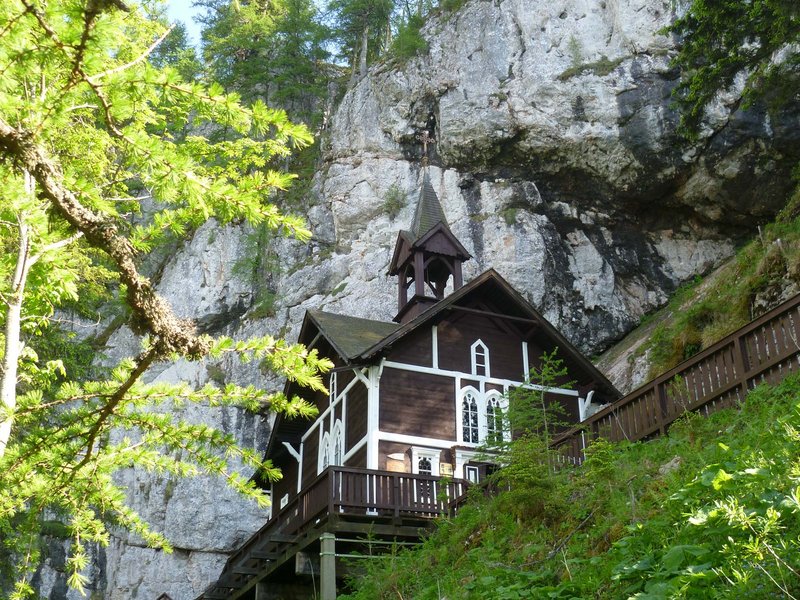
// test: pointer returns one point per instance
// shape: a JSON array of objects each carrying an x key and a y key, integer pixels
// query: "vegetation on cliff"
[
  {"x": 702, "y": 312},
  {"x": 730, "y": 43}
]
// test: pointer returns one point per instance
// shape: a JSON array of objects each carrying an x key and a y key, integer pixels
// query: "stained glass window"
[{"x": 469, "y": 416}]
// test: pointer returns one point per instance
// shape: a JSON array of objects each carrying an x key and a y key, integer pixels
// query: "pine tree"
[{"x": 270, "y": 50}]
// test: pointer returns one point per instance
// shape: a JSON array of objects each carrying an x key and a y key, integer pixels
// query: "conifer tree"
[
  {"x": 270, "y": 50},
  {"x": 91, "y": 131},
  {"x": 725, "y": 39}
]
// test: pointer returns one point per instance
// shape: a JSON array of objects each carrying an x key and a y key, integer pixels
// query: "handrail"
[
  {"x": 346, "y": 490},
  {"x": 721, "y": 375}
]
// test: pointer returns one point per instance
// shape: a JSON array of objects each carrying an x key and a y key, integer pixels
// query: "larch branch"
[
  {"x": 151, "y": 313},
  {"x": 95, "y": 78}
]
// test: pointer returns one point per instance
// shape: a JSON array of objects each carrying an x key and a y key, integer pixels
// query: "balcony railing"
[{"x": 339, "y": 492}]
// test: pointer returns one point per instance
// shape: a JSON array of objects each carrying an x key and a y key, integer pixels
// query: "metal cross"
[{"x": 425, "y": 138}]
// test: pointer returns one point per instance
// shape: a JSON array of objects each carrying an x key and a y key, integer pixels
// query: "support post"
[
  {"x": 327, "y": 562},
  {"x": 261, "y": 591}
]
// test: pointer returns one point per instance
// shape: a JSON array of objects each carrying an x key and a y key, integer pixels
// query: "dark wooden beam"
[
  {"x": 246, "y": 571},
  {"x": 494, "y": 315}
]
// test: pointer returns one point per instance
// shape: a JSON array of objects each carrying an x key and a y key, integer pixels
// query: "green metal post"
[{"x": 327, "y": 562}]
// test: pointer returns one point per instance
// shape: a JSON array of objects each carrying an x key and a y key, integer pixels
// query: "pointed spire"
[{"x": 429, "y": 211}]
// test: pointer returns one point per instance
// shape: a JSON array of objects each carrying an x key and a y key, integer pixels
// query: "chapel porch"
[{"x": 344, "y": 516}]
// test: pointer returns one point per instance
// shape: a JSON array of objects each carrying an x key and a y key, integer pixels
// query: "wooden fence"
[{"x": 764, "y": 351}]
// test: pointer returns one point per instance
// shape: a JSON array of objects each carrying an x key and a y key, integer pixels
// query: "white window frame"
[
  {"x": 337, "y": 444},
  {"x": 462, "y": 396},
  {"x": 324, "y": 456},
  {"x": 432, "y": 454},
  {"x": 468, "y": 469},
  {"x": 483, "y": 418},
  {"x": 480, "y": 350},
  {"x": 462, "y": 458},
  {"x": 482, "y": 403}
]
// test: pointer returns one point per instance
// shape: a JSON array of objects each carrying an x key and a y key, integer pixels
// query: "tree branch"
[
  {"x": 150, "y": 312},
  {"x": 95, "y": 78},
  {"x": 55, "y": 246}
]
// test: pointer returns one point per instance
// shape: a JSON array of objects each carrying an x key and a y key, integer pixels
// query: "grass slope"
[
  {"x": 700, "y": 313},
  {"x": 711, "y": 511}
]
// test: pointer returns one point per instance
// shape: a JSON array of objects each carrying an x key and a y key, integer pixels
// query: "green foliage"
[
  {"x": 394, "y": 200},
  {"x": 269, "y": 50},
  {"x": 361, "y": 27},
  {"x": 408, "y": 41},
  {"x": 523, "y": 438},
  {"x": 510, "y": 216},
  {"x": 723, "y": 521},
  {"x": 722, "y": 40},
  {"x": 602, "y": 66},
  {"x": 264, "y": 304},
  {"x": 105, "y": 153},
  {"x": 574, "y": 50},
  {"x": 176, "y": 51},
  {"x": 451, "y": 5}
]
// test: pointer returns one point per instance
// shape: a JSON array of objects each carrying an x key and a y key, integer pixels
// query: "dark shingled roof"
[
  {"x": 429, "y": 211},
  {"x": 350, "y": 336}
]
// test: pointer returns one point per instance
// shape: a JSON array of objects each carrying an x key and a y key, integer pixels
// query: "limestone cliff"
[{"x": 557, "y": 162}]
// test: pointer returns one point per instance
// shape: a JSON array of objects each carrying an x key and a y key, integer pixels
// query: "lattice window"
[
  {"x": 324, "y": 452},
  {"x": 424, "y": 466},
  {"x": 469, "y": 418},
  {"x": 338, "y": 444},
  {"x": 494, "y": 420},
  {"x": 480, "y": 359}
]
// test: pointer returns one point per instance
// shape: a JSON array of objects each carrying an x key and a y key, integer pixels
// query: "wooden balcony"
[{"x": 384, "y": 504}]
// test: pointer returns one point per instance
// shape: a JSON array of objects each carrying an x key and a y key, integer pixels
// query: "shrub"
[{"x": 394, "y": 200}]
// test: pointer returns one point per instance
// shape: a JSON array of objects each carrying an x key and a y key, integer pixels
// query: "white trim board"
[{"x": 482, "y": 379}]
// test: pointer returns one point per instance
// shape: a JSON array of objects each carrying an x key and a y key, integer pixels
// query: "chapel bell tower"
[{"x": 427, "y": 259}]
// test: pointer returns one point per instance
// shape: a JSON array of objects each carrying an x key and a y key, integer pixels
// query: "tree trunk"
[
  {"x": 362, "y": 60},
  {"x": 13, "y": 343}
]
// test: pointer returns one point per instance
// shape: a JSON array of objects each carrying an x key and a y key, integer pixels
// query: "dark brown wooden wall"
[
  {"x": 386, "y": 448},
  {"x": 356, "y": 426},
  {"x": 310, "y": 458},
  {"x": 415, "y": 349},
  {"x": 288, "y": 484},
  {"x": 417, "y": 404},
  {"x": 456, "y": 336},
  {"x": 359, "y": 459}
]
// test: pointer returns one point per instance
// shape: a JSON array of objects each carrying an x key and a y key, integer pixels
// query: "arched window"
[
  {"x": 480, "y": 359},
  {"x": 338, "y": 444},
  {"x": 494, "y": 419},
  {"x": 469, "y": 418},
  {"x": 332, "y": 388},
  {"x": 324, "y": 452}
]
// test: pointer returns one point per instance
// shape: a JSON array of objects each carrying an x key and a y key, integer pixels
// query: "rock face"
[
  {"x": 557, "y": 157},
  {"x": 557, "y": 163}
]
